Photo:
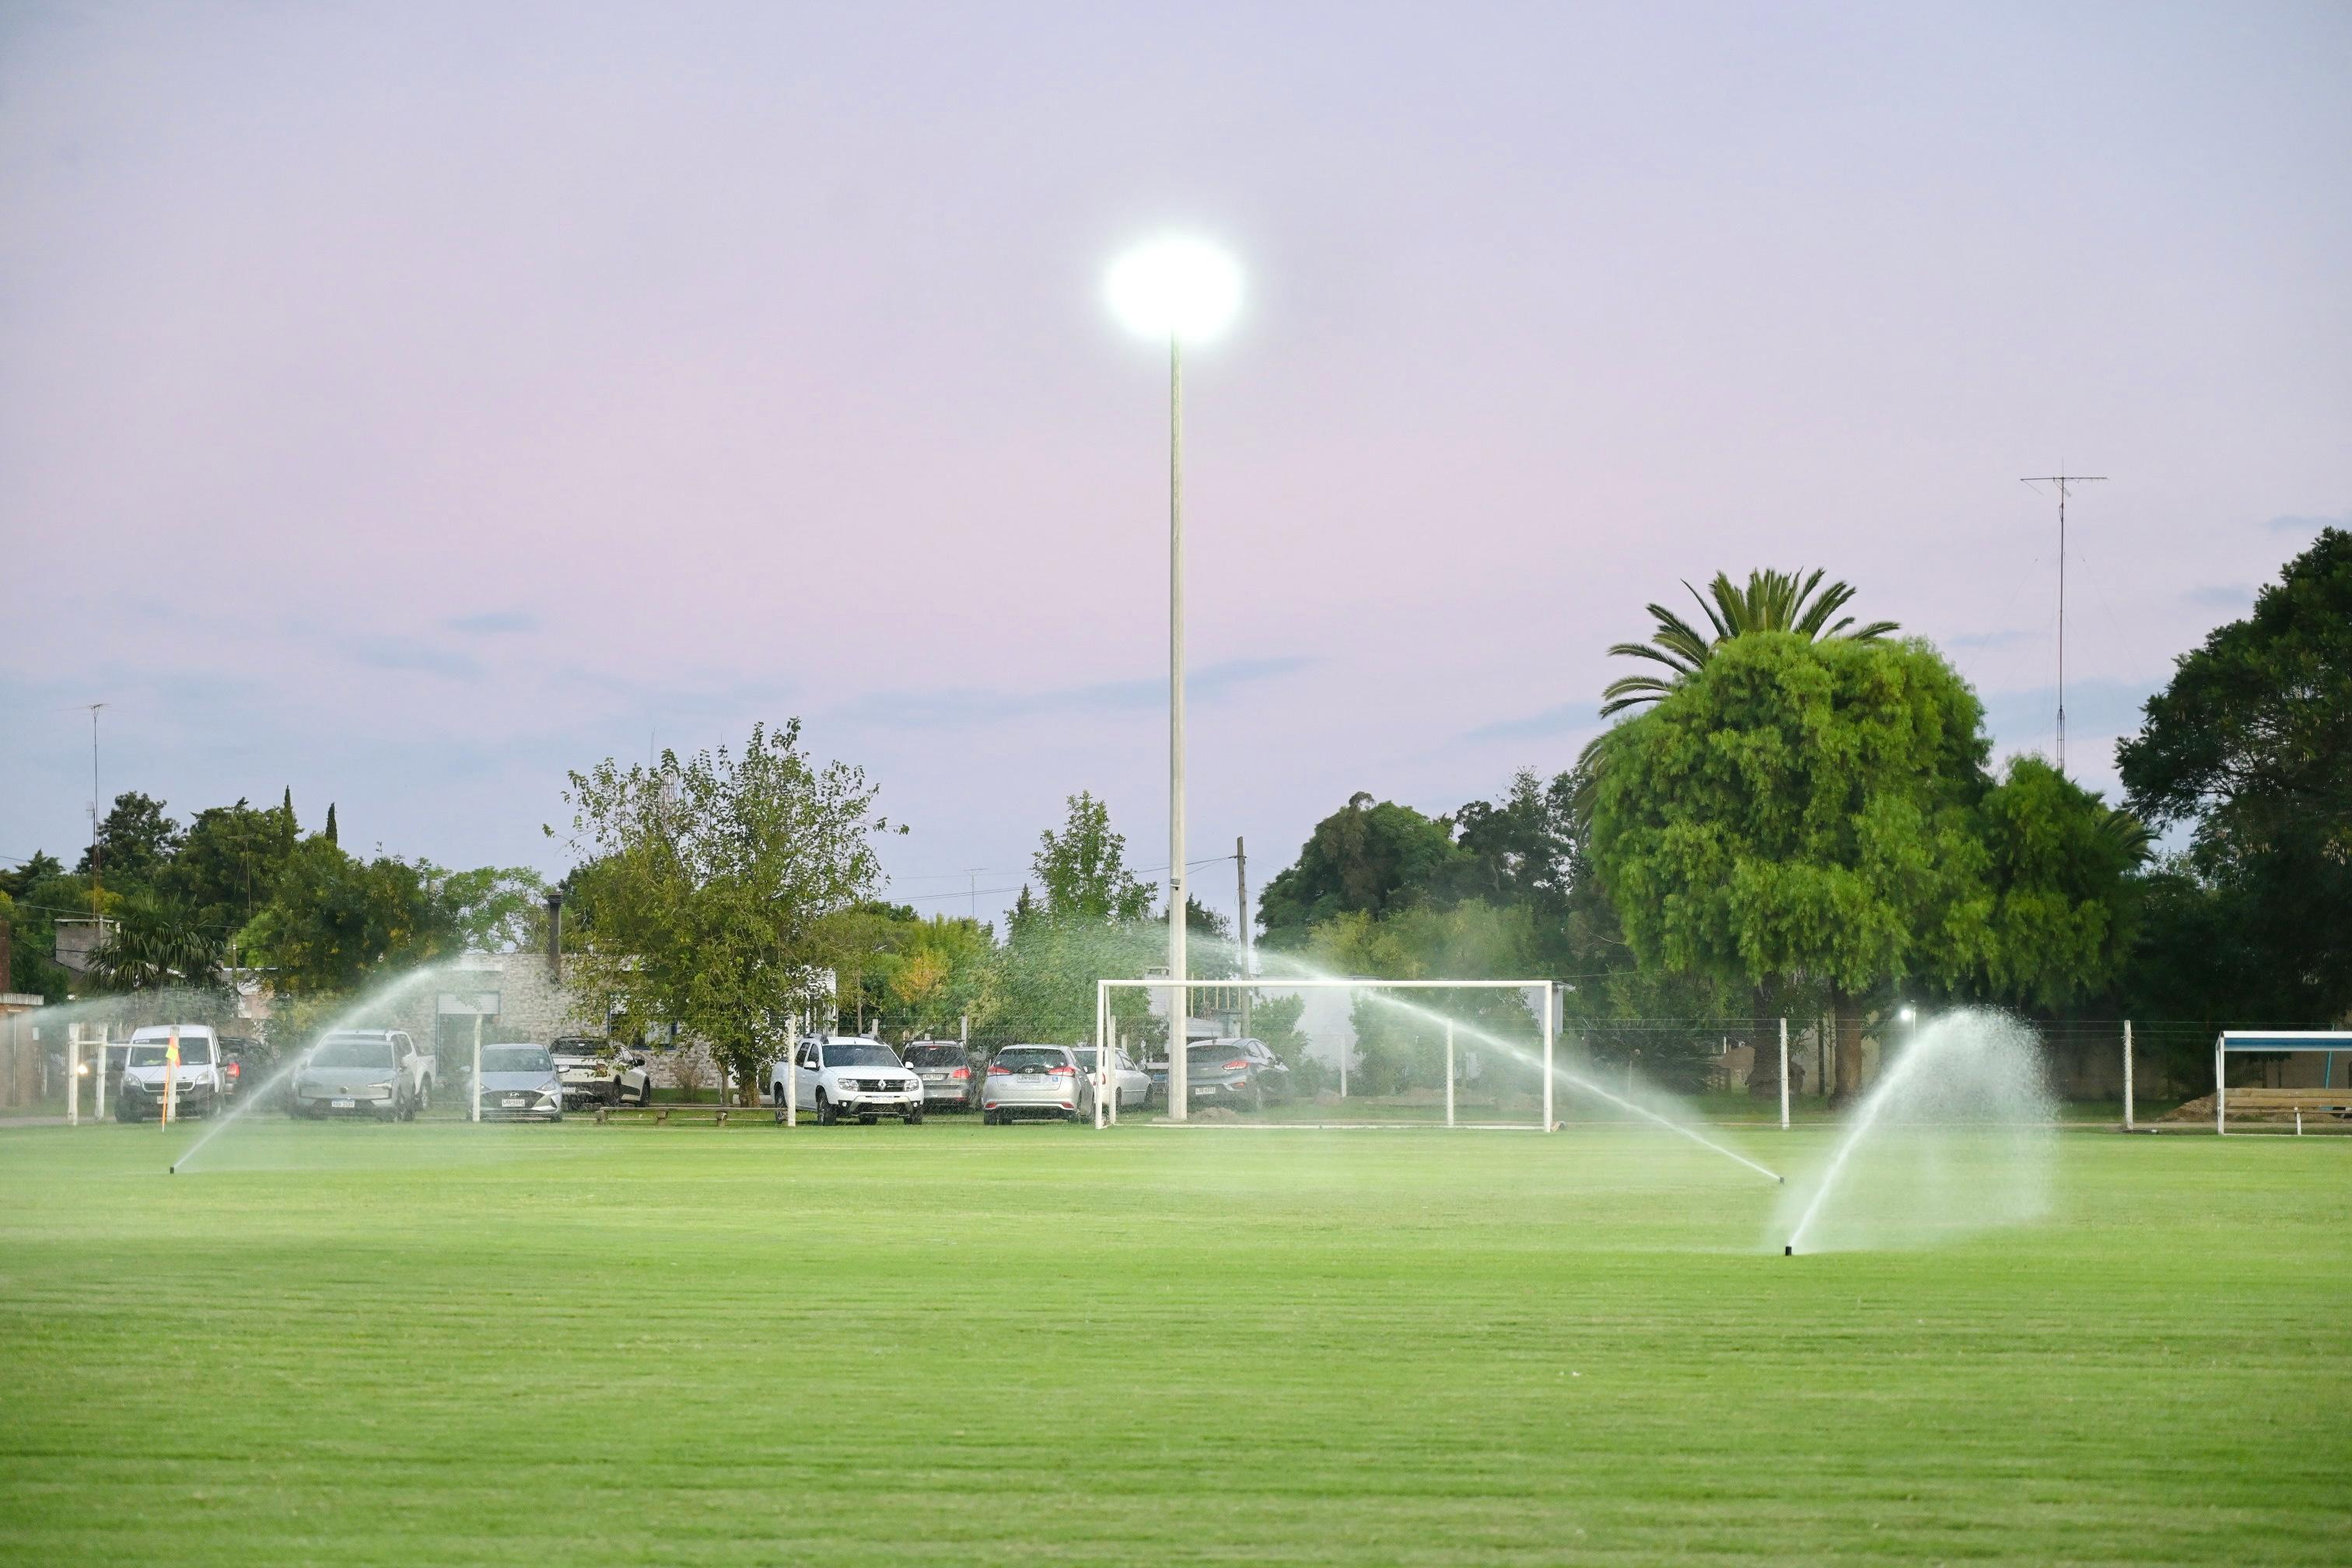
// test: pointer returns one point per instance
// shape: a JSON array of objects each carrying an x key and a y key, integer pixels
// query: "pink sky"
[{"x": 408, "y": 403}]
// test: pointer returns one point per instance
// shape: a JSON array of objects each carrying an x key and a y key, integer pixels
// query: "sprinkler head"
[
  {"x": 1789, "y": 1250},
  {"x": 171, "y": 1169}
]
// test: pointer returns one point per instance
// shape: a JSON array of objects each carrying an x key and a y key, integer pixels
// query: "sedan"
[
  {"x": 1242, "y": 1073},
  {"x": 951, "y": 1081},
  {"x": 1134, "y": 1083},
  {"x": 1036, "y": 1081},
  {"x": 519, "y": 1082}
]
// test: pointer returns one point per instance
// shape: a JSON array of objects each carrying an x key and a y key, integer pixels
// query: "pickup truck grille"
[{"x": 876, "y": 1085}]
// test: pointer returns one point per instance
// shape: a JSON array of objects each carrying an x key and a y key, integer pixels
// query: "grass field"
[{"x": 576, "y": 1345}]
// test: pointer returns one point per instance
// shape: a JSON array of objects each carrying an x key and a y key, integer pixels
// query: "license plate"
[
  {"x": 512, "y": 1103},
  {"x": 342, "y": 1104},
  {"x": 935, "y": 1077},
  {"x": 1204, "y": 1091}
]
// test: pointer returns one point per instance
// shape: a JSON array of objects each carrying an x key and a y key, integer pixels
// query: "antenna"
[
  {"x": 2062, "y": 481},
  {"x": 97, "y": 910}
]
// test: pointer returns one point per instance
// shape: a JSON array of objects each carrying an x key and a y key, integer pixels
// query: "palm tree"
[
  {"x": 1772, "y": 602},
  {"x": 156, "y": 945}
]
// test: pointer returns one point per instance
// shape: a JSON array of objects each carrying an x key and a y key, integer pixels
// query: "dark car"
[
  {"x": 246, "y": 1064},
  {"x": 951, "y": 1078},
  {"x": 1236, "y": 1072}
]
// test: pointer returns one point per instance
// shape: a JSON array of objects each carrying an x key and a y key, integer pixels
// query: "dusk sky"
[{"x": 407, "y": 403}]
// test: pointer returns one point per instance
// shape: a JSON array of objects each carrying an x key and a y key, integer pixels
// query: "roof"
[{"x": 2332, "y": 1042}]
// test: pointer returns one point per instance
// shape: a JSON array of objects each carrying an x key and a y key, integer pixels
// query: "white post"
[
  {"x": 98, "y": 1073},
  {"x": 73, "y": 1078},
  {"x": 1549, "y": 1124},
  {"x": 2221, "y": 1090},
  {"x": 963, "y": 1029},
  {"x": 2127, "y": 1075},
  {"x": 1111, "y": 1028},
  {"x": 1784, "y": 1075},
  {"x": 1449, "y": 1072},
  {"x": 793, "y": 1075},
  {"x": 1180, "y": 1035},
  {"x": 478, "y": 1070},
  {"x": 171, "y": 1078},
  {"x": 1102, "y": 1059}
]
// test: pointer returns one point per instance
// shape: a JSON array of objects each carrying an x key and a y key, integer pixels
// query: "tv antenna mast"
[{"x": 2063, "y": 482}]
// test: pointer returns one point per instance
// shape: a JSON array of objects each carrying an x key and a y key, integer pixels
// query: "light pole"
[{"x": 1172, "y": 290}]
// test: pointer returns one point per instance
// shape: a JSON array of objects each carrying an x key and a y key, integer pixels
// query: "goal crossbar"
[{"x": 1179, "y": 1036}]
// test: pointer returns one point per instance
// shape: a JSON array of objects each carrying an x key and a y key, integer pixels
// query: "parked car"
[
  {"x": 1036, "y": 1081},
  {"x": 519, "y": 1082},
  {"x": 196, "y": 1084},
  {"x": 850, "y": 1077},
  {"x": 950, "y": 1076},
  {"x": 1243, "y": 1073},
  {"x": 600, "y": 1072},
  {"x": 1134, "y": 1083},
  {"x": 246, "y": 1063},
  {"x": 364, "y": 1072}
]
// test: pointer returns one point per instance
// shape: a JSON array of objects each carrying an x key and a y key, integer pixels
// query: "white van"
[{"x": 196, "y": 1085}]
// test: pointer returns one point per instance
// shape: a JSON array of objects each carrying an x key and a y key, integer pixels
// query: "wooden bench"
[
  {"x": 662, "y": 1115},
  {"x": 2337, "y": 1101}
]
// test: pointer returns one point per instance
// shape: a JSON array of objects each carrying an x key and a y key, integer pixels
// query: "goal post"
[{"x": 1543, "y": 1010}]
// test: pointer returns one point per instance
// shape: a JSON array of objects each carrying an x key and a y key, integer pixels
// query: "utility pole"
[
  {"x": 972, "y": 880},
  {"x": 2063, "y": 482},
  {"x": 1249, "y": 944},
  {"x": 97, "y": 912}
]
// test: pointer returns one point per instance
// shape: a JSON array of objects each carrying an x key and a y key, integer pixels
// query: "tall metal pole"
[
  {"x": 1249, "y": 939},
  {"x": 1549, "y": 1124},
  {"x": 1179, "y": 1086},
  {"x": 2062, "y": 481},
  {"x": 1449, "y": 1072}
]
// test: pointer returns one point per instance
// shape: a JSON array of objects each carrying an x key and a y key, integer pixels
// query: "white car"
[
  {"x": 1134, "y": 1083},
  {"x": 197, "y": 1089},
  {"x": 1035, "y": 1080},
  {"x": 852, "y": 1076}
]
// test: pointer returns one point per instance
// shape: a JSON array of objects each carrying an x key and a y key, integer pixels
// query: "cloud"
[
  {"x": 1565, "y": 719},
  {"x": 491, "y": 623},
  {"x": 2291, "y": 523},
  {"x": 950, "y": 707},
  {"x": 408, "y": 654},
  {"x": 2220, "y": 596},
  {"x": 1986, "y": 639}
]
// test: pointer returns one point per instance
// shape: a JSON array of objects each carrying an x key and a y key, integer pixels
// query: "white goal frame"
[
  {"x": 1178, "y": 1100},
  {"x": 2328, "y": 1043}
]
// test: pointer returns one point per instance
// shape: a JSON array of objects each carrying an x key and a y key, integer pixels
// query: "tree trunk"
[{"x": 1848, "y": 1008}]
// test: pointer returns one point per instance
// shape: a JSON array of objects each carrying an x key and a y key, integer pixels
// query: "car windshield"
[
  {"x": 150, "y": 1053},
  {"x": 354, "y": 1053},
  {"x": 578, "y": 1048},
  {"x": 936, "y": 1056},
  {"x": 856, "y": 1054},
  {"x": 1015, "y": 1057},
  {"x": 517, "y": 1059},
  {"x": 1086, "y": 1055}
]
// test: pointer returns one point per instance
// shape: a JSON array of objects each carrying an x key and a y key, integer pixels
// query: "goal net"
[{"x": 1327, "y": 1051}]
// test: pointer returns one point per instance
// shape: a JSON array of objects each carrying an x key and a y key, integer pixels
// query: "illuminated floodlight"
[
  {"x": 1176, "y": 288},
  {"x": 1909, "y": 1015}
]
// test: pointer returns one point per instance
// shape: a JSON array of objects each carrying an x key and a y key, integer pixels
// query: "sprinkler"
[
  {"x": 1789, "y": 1250},
  {"x": 172, "y": 1170}
]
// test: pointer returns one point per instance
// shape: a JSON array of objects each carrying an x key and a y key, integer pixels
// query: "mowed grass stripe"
[{"x": 952, "y": 1344}]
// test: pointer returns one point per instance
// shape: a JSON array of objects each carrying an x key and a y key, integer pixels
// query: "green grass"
[{"x": 577, "y": 1346}]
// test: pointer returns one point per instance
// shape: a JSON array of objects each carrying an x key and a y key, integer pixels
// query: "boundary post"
[
  {"x": 2127, "y": 1075},
  {"x": 73, "y": 1078},
  {"x": 172, "y": 1076},
  {"x": 1449, "y": 1072},
  {"x": 2221, "y": 1091},
  {"x": 1784, "y": 1075},
  {"x": 1548, "y": 997},
  {"x": 99, "y": 1074},
  {"x": 793, "y": 1075},
  {"x": 1102, "y": 1059},
  {"x": 477, "y": 1085}
]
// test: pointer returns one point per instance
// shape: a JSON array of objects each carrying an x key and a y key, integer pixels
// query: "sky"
[{"x": 407, "y": 403}]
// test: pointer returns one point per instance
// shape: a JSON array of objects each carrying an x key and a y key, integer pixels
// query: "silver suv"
[{"x": 364, "y": 1072}]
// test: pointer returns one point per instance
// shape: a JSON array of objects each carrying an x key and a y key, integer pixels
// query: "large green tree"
[
  {"x": 1368, "y": 857},
  {"x": 2251, "y": 744},
  {"x": 135, "y": 840},
  {"x": 1082, "y": 870},
  {"x": 712, "y": 879},
  {"x": 1798, "y": 811},
  {"x": 228, "y": 867}
]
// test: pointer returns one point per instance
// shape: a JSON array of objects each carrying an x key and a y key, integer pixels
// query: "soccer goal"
[
  {"x": 2330, "y": 1097},
  {"x": 1472, "y": 1052}
]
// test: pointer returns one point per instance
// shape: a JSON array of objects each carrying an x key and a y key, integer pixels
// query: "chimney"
[{"x": 555, "y": 937}]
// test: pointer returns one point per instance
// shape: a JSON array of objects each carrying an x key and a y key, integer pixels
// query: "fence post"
[
  {"x": 2127, "y": 1075},
  {"x": 475, "y": 1087},
  {"x": 1784, "y": 1075},
  {"x": 1449, "y": 1072},
  {"x": 73, "y": 1078},
  {"x": 1550, "y": 997},
  {"x": 98, "y": 1074},
  {"x": 793, "y": 1075}
]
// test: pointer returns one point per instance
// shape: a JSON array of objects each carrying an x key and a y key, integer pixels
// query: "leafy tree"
[
  {"x": 1365, "y": 859},
  {"x": 2058, "y": 863},
  {"x": 336, "y": 919},
  {"x": 1082, "y": 870},
  {"x": 712, "y": 879},
  {"x": 1772, "y": 602},
  {"x": 1798, "y": 810},
  {"x": 154, "y": 943},
  {"x": 229, "y": 866},
  {"x": 2251, "y": 743},
  {"x": 135, "y": 840}
]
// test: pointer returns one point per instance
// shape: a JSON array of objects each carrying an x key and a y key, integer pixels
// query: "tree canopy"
[{"x": 1367, "y": 858}]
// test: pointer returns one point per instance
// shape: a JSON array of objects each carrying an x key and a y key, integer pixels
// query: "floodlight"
[
  {"x": 1176, "y": 288},
  {"x": 1909, "y": 1015}
]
